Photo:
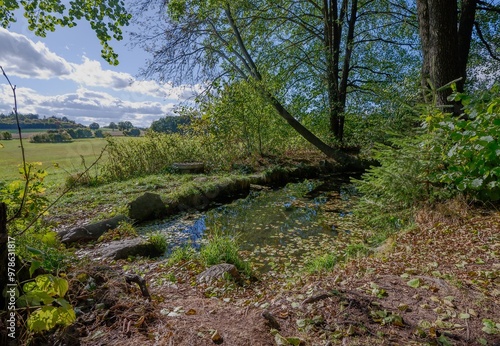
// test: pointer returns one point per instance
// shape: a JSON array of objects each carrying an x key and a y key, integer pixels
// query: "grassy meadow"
[{"x": 58, "y": 159}]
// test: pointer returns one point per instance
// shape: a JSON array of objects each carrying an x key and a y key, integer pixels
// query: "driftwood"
[
  {"x": 271, "y": 321},
  {"x": 129, "y": 278}
]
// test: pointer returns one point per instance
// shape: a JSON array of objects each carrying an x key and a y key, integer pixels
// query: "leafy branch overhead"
[{"x": 106, "y": 18}]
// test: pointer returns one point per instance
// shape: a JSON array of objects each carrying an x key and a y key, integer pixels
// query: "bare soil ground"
[{"x": 437, "y": 284}]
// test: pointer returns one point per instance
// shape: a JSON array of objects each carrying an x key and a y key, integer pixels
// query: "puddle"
[{"x": 274, "y": 228}]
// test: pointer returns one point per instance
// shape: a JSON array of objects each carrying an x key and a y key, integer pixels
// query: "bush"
[
  {"x": 473, "y": 160},
  {"x": 132, "y": 132},
  {"x": 98, "y": 134},
  {"x": 392, "y": 191},
  {"x": 7, "y": 135},
  {"x": 448, "y": 156}
]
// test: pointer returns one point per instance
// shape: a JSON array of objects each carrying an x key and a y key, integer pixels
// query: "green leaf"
[
  {"x": 34, "y": 266},
  {"x": 415, "y": 283}
]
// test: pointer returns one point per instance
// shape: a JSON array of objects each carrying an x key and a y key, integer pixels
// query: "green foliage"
[
  {"x": 46, "y": 295},
  {"x": 124, "y": 230},
  {"x": 156, "y": 152},
  {"x": 321, "y": 264},
  {"x": 59, "y": 136},
  {"x": 94, "y": 126},
  {"x": 159, "y": 241},
  {"x": 132, "y": 132},
  {"x": 473, "y": 160},
  {"x": 223, "y": 248},
  {"x": 170, "y": 124},
  {"x": 44, "y": 251},
  {"x": 25, "y": 197},
  {"x": 6, "y": 135},
  {"x": 181, "y": 254},
  {"x": 448, "y": 155},
  {"x": 98, "y": 134},
  {"x": 392, "y": 191},
  {"x": 239, "y": 118}
]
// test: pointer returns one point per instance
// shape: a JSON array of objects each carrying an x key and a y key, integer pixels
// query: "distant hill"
[{"x": 33, "y": 121}]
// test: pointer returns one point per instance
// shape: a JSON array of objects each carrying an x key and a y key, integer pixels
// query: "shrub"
[
  {"x": 473, "y": 160},
  {"x": 447, "y": 156}
]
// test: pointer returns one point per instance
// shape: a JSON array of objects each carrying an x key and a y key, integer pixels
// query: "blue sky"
[{"x": 63, "y": 74}]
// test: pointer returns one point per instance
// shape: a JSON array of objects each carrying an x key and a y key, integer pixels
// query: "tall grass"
[{"x": 156, "y": 152}]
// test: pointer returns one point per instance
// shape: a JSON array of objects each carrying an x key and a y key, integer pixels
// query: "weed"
[
  {"x": 159, "y": 241},
  {"x": 223, "y": 248},
  {"x": 322, "y": 264},
  {"x": 181, "y": 254}
]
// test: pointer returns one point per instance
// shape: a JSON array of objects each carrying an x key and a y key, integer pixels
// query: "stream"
[{"x": 275, "y": 229}]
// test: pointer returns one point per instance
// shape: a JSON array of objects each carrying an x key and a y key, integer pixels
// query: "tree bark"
[{"x": 445, "y": 34}]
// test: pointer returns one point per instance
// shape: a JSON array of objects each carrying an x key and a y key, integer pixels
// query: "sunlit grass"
[
  {"x": 321, "y": 264},
  {"x": 223, "y": 248},
  {"x": 58, "y": 159}
]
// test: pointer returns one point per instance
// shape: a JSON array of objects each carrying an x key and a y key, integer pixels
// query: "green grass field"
[{"x": 67, "y": 156}]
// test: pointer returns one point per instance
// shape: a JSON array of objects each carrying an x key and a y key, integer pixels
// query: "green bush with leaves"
[
  {"x": 393, "y": 190},
  {"x": 473, "y": 160},
  {"x": 448, "y": 155},
  {"x": 46, "y": 296}
]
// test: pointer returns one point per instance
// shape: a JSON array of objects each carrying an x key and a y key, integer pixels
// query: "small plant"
[
  {"x": 159, "y": 241},
  {"x": 181, "y": 254},
  {"x": 223, "y": 248},
  {"x": 124, "y": 230},
  {"x": 46, "y": 295},
  {"x": 322, "y": 264}
]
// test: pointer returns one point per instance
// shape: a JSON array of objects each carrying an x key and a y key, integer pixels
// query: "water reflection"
[{"x": 268, "y": 222}]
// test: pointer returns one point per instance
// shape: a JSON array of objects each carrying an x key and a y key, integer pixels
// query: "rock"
[
  {"x": 92, "y": 231},
  {"x": 122, "y": 249},
  {"x": 218, "y": 271},
  {"x": 147, "y": 207}
]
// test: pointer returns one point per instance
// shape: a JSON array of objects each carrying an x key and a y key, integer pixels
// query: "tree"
[
  {"x": 297, "y": 54},
  {"x": 106, "y": 17},
  {"x": 94, "y": 126},
  {"x": 7, "y": 135},
  {"x": 170, "y": 124},
  {"x": 133, "y": 132},
  {"x": 446, "y": 31},
  {"x": 113, "y": 126},
  {"x": 125, "y": 125}
]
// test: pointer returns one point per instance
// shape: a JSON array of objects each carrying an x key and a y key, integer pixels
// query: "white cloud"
[
  {"x": 139, "y": 101},
  {"x": 27, "y": 59},
  {"x": 85, "y": 106}
]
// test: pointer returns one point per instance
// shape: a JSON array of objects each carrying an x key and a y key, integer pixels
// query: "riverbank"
[{"x": 414, "y": 290}]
